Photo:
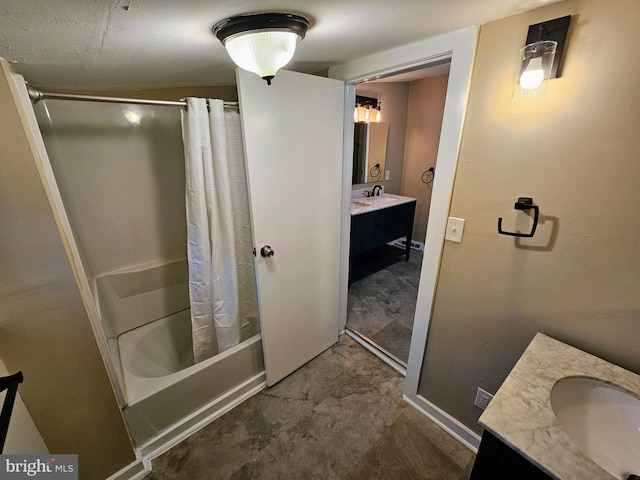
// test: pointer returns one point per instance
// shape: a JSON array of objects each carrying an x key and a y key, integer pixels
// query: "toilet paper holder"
[{"x": 523, "y": 203}]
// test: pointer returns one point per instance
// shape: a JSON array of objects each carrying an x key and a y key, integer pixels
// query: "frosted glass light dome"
[
  {"x": 263, "y": 53},
  {"x": 262, "y": 43}
]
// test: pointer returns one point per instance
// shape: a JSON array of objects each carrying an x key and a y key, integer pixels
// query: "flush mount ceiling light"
[{"x": 262, "y": 43}]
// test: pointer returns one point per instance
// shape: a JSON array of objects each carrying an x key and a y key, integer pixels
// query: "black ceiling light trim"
[{"x": 230, "y": 27}]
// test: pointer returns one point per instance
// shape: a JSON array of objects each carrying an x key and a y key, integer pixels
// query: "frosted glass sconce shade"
[
  {"x": 541, "y": 57},
  {"x": 262, "y": 43},
  {"x": 536, "y": 61}
]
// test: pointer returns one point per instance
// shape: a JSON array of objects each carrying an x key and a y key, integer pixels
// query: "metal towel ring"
[
  {"x": 523, "y": 203},
  {"x": 431, "y": 170},
  {"x": 376, "y": 169}
]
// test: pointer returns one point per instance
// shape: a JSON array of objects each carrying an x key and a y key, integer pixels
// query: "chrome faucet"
[{"x": 374, "y": 192}]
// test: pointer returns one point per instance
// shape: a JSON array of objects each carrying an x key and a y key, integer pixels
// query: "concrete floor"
[{"x": 341, "y": 416}]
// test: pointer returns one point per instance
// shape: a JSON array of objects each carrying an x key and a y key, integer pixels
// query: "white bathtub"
[{"x": 145, "y": 314}]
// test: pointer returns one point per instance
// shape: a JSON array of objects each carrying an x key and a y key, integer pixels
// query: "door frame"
[{"x": 459, "y": 48}]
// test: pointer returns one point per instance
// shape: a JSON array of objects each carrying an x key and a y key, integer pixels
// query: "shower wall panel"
[{"x": 120, "y": 170}]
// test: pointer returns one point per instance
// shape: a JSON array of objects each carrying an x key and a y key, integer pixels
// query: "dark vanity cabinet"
[
  {"x": 497, "y": 460},
  {"x": 370, "y": 233}
]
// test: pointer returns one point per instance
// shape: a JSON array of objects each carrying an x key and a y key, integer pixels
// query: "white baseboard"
[{"x": 453, "y": 427}]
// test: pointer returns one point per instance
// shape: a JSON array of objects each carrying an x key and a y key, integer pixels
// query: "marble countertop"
[
  {"x": 370, "y": 204},
  {"x": 521, "y": 416}
]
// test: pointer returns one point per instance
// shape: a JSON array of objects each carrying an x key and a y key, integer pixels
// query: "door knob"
[{"x": 267, "y": 251}]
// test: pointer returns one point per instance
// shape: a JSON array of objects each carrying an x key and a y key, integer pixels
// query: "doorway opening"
[{"x": 383, "y": 285}]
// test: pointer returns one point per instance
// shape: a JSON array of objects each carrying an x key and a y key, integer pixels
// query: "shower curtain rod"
[{"x": 37, "y": 95}]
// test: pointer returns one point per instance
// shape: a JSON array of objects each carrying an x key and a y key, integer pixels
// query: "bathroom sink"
[
  {"x": 379, "y": 200},
  {"x": 604, "y": 421},
  {"x": 361, "y": 205}
]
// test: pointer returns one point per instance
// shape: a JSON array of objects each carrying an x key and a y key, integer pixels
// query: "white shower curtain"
[{"x": 222, "y": 283}]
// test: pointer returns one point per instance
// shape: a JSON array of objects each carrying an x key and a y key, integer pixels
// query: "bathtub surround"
[
  {"x": 119, "y": 172},
  {"x": 341, "y": 416},
  {"x": 222, "y": 283},
  {"x": 155, "y": 359}
]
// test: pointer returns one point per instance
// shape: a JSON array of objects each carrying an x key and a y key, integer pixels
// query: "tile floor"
[
  {"x": 382, "y": 306},
  {"x": 341, "y": 416}
]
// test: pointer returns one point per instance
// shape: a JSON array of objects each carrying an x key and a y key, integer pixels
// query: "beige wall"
[
  {"x": 576, "y": 152},
  {"x": 394, "y": 97},
  {"x": 424, "y": 123},
  {"x": 23, "y": 436},
  {"x": 44, "y": 329}
]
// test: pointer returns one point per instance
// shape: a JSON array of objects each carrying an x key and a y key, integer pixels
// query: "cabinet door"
[
  {"x": 294, "y": 169},
  {"x": 396, "y": 222},
  {"x": 363, "y": 232}
]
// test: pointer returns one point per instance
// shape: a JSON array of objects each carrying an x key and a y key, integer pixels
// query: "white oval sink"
[
  {"x": 385, "y": 198},
  {"x": 602, "y": 420}
]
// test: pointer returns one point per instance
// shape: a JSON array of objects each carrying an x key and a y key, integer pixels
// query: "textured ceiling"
[{"x": 122, "y": 44}]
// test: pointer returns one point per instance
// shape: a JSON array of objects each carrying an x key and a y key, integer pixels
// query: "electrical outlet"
[
  {"x": 387, "y": 175},
  {"x": 482, "y": 399}
]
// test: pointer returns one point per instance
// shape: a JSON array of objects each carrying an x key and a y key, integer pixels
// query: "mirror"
[{"x": 369, "y": 152}]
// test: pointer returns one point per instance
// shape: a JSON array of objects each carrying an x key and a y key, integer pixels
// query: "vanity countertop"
[
  {"x": 521, "y": 415},
  {"x": 384, "y": 200}
]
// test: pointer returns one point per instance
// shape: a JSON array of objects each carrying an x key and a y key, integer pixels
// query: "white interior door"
[{"x": 293, "y": 131}]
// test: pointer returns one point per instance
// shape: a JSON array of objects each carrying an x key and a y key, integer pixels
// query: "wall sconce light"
[
  {"x": 364, "y": 111},
  {"x": 541, "y": 57},
  {"x": 262, "y": 43}
]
